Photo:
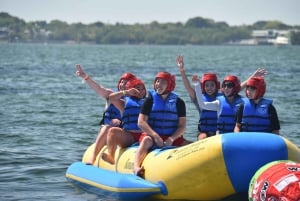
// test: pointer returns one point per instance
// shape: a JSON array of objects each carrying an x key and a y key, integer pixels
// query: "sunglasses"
[{"x": 228, "y": 85}]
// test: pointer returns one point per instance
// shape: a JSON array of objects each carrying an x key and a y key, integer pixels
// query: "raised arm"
[
  {"x": 260, "y": 72},
  {"x": 100, "y": 90},
  {"x": 185, "y": 80},
  {"x": 116, "y": 97}
]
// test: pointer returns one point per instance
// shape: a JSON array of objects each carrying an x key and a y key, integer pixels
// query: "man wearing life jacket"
[
  {"x": 225, "y": 105},
  {"x": 111, "y": 115},
  {"x": 162, "y": 119},
  {"x": 257, "y": 114},
  {"x": 130, "y": 108}
]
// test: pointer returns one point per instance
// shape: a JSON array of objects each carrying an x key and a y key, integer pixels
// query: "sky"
[{"x": 233, "y": 12}]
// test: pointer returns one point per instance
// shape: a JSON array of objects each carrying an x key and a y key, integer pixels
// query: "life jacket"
[
  {"x": 256, "y": 118},
  {"x": 131, "y": 113},
  {"x": 163, "y": 117},
  {"x": 208, "y": 118},
  {"x": 226, "y": 119},
  {"x": 110, "y": 113}
]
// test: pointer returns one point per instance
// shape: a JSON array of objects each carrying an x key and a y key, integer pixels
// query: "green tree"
[
  {"x": 196, "y": 31},
  {"x": 199, "y": 22}
]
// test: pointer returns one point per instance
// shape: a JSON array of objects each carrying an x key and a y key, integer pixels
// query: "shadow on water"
[{"x": 236, "y": 197}]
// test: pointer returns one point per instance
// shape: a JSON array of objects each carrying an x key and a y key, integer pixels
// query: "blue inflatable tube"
[
  {"x": 238, "y": 156},
  {"x": 111, "y": 184},
  {"x": 209, "y": 169}
]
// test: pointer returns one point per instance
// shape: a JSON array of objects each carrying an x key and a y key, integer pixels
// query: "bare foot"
[
  {"x": 91, "y": 161},
  {"x": 106, "y": 157},
  {"x": 139, "y": 172}
]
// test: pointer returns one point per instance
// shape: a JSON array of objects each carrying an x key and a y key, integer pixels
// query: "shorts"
[
  {"x": 137, "y": 136},
  {"x": 178, "y": 142}
]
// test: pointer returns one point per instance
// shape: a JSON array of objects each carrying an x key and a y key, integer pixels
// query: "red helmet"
[
  {"x": 258, "y": 83},
  {"x": 236, "y": 84},
  {"x": 209, "y": 77},
  {"x": 133, "y": 83},
  {"x": 126, "y": 76},
  {"x": 170, "y": 79}
]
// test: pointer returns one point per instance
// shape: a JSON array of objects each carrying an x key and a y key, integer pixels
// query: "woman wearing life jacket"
[
  {"x": 210, "y": 86},
  {"x": 130, "y": 108},
  {"x": 112, "y": 112},
  {"x": 210, "y": 91},
  {"x": 162, "y": 119},
  {"x": 257, "y": 114},
  {"x": 111, "y": 115},
  {"x": 226, "y": 105}
]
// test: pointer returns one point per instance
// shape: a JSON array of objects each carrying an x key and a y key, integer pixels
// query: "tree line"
[{"x": 196, "y": 31}]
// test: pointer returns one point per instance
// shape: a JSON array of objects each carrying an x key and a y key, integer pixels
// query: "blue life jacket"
[
  {"x": 256, "y": 118},
  {"x": 163, "y": 118},
  {"x": 131, "y": 113},
  {"x": 226, "y": 120},
  {"x": 208, "y": 118},
  {"x": 110, "y": 113}
]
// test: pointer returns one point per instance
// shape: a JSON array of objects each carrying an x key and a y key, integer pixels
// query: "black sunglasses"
[{"x": 228, "y": 85}]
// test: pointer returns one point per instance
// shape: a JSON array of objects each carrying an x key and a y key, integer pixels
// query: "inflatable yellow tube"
[{"x": 210, "y": 169}]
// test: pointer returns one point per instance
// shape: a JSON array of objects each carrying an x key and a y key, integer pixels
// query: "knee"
[
  {"x": 147, "y": 142},
  {"x": 105, "y": 129},
  {"x": 112, "y": 135}
]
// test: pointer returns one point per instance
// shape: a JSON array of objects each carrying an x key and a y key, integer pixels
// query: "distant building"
[
  {"x": 271, "y": 37},
  {"x": 4, "y": 31}
]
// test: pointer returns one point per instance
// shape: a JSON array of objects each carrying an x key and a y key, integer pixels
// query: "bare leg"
[
  {"x": 141, "y": 153},
  {"x": 116, "y": 137},
  {"x": 108, "y": 158},
  {"x": 100, "y": 142}
]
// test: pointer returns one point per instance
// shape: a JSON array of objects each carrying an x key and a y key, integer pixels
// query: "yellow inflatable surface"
[{"x": 209, "y": 169}]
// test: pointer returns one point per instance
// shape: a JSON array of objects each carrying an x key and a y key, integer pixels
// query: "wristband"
[{"x": 124, "y": 92}]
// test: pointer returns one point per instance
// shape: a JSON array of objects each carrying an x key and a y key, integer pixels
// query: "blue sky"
[{"x": 234, "y": 12}]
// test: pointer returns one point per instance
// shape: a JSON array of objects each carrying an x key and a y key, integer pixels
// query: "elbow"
[
  {"x": 111, "y": 97},
  {"x": 140, "y": 124}
]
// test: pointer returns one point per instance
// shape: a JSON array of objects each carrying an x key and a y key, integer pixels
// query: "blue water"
[{"x": 49, "y": 117}]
